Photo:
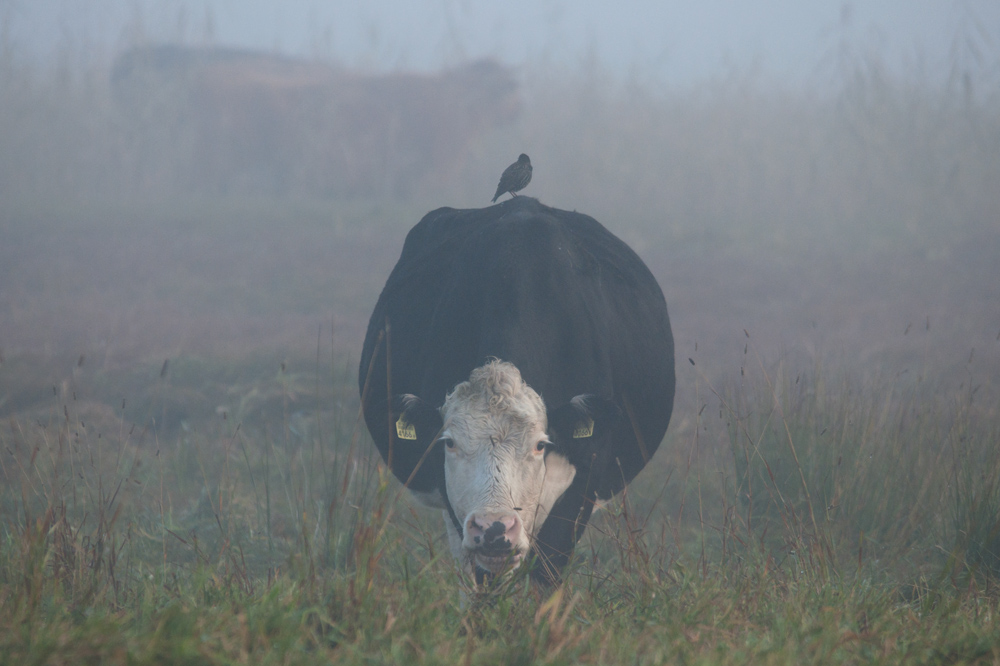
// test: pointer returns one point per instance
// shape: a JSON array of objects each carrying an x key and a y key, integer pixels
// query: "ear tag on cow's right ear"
[
  {"x": 583, "y": 429},
  {"x": 405, "y": 430}
]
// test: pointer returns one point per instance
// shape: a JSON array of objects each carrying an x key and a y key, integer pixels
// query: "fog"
[
  {"x": 811, "y": 183},
  {"x": 668, "y": 43}
]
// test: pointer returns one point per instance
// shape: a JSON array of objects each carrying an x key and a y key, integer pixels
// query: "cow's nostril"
[{"x": 495, "y": 531}]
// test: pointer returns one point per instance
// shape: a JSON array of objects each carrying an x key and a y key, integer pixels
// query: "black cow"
[{"x": 526, "y": 359}]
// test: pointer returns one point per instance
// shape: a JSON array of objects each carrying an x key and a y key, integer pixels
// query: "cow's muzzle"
[{"x": 492, "y": 541}]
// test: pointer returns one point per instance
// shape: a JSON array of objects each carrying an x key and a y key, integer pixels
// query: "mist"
[
  {"x": 672, "y": 44},
  {"x": 218, "y": 179},
  {"x": 200, "y": 202}
]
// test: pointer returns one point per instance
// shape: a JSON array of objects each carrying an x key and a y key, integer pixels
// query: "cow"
[{"x": 517, "y": 371}]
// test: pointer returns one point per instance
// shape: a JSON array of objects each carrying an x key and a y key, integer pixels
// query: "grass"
[{"x": 815, "y": 520}]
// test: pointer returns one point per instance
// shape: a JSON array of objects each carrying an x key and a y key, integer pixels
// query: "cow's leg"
[
  {"x": 556, "y": 540},
  {"x": 454, "y": 539}
]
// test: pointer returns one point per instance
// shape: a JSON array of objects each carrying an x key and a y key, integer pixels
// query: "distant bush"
[{"x": 739, "y": 154}]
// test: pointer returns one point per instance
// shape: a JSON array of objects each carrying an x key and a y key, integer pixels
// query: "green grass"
[{"x": 816, "y": 520}]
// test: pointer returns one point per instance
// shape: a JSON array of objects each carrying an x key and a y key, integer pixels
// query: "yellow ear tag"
[
  {"x": 405, "y": 430},
  {"x": 583, "y": 429}
]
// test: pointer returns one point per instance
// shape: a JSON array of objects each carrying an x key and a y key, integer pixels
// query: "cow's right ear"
[{"x": 414, "y": 419}]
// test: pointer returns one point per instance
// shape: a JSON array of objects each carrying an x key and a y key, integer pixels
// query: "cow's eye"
[
  {"x": 540, "y": 447},
  {"x": 450, "y": 443}
]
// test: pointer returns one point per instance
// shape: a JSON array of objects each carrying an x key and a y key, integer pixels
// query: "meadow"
[{"x": 184, "y": 477}]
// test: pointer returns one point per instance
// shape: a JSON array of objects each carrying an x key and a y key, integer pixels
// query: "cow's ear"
[
  {"x": 581, "y": 418},
  {"x": 414, "y": 419}
]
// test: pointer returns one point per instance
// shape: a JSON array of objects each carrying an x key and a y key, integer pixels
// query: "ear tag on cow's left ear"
[
  {"x": 405, "y": 430},
  {"x": 583, "y": 429}
]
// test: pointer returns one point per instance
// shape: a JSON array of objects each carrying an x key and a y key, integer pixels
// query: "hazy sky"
[{"x": 672, "y": 42}]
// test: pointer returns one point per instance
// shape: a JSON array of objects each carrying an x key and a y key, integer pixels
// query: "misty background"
[
  {"x": 668, "y": 43},
  {"x": 220, "y": 180}
]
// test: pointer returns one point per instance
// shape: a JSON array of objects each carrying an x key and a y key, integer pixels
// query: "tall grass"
[
  {"x": 829, "y": 518},
  {"x": 856, "y": 474}
]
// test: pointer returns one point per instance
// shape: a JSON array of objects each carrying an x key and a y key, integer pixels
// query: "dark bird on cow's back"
[{"x": 515, "y": 177}]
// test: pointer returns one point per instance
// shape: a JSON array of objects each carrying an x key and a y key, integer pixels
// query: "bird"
[{"x": 515, "y": 177}]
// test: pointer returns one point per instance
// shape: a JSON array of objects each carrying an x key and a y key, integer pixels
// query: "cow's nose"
[{"x": 493, "y": 531}]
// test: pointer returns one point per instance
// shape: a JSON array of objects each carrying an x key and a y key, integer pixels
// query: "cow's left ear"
[
  {"x": 414, "y": 419},
  {"x": 582, "y": 417}
]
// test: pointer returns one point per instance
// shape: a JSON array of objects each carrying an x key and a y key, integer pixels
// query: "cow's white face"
[{"x": 501, "y": 478}]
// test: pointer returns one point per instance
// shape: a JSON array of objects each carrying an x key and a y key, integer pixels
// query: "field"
[{"x": 184, "y": 477}]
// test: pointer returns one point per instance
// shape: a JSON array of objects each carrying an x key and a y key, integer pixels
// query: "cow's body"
[{"x": 512, "y": 330}]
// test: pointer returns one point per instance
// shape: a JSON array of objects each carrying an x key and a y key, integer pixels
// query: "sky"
[{"x": 667, "y": 42}]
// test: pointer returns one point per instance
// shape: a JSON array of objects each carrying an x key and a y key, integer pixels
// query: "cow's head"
[{"x": 502, "y": 472}]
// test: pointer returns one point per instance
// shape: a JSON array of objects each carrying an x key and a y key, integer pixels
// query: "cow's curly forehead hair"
[{"x": 498, "y": 389}]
